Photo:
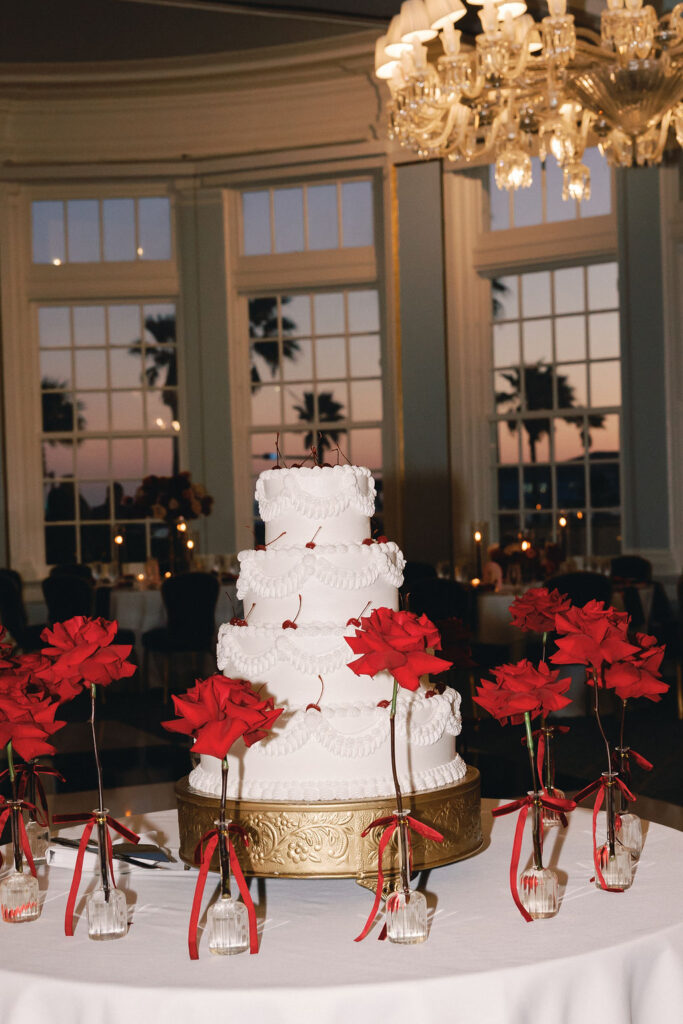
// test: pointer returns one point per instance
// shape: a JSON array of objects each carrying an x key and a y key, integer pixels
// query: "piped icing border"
[
  {"x": 330, "y": 789},
  {"x": 281, "y": 573},
  {"x": 350, "y": 486},
  {"x": 277, "y": 647}
]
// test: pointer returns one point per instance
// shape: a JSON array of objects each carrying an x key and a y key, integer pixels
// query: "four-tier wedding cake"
[{"x": 303, "y": 592}]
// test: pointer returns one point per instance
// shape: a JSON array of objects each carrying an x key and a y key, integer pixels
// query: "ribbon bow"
[
  {"x": 599, "y": 786},
  {"x": 91, "y": 819},
  {"x": 633, "y": 755},
  {"x": 202, "y": 856},
  {"x": 539, "y": 736},
  {"x": 389, "y": 826},
  {"x": 523, "y": 805},
  {"x": 31, "y": 772},
  {"x": 5, "y": 811}
]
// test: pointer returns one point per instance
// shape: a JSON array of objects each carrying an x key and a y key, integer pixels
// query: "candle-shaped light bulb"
[
  {"x": 450, "y": 39},
  {"x": 557, "y": 8},
  {"x": 525, "y": 545},
  {"x": 189, "y": 544},
  {"x": 488, "y": 17},
  {"x": 118, "y": 539},
  {"x": 562, "y": 521},
  {"x": 182, "y": 526}
]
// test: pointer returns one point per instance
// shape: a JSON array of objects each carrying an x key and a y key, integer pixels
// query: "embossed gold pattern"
[{"x": 309, "y": 840}]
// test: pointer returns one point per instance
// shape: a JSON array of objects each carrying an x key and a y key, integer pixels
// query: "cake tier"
[
  {"x": 342, "y": 752},
  {"x": 339, "y": 499},
  {"x": 336, "y": 581}
]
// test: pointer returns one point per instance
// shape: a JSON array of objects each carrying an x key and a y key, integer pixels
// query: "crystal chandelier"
[{"x": 532, "y": 86}]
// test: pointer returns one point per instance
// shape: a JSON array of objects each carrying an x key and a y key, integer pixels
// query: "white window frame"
[
  {"x": 310, "y": 271},
  {"x": 25, "y": 285},
  {"x": 474, "y": 255}
]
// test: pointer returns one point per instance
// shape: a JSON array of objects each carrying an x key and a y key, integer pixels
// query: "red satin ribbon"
[
  {"x": 633, "y": 755},
  {"x": 90, "y": 822},
  {"x": 5, "y": 812},
  {"x": 390, "y": 824},
  {"x": 523, "y": 805},
  {"x": 599, "y": 785},
  {"x": 24, "y": 773},
  {"x": 209, "y": 842}
]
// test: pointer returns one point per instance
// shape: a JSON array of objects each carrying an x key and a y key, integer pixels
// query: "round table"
[{"x": 605, "y": 959}]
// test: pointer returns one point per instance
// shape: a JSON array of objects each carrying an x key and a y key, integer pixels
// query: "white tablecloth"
[
  {"x": 605, "y": 959},
  {"x": 141, "y": 610}
]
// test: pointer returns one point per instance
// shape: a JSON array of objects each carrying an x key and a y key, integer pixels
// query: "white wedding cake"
[{"x": 318, "y": 570}]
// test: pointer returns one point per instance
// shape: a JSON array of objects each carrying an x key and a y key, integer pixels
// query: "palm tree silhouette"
[
  {"x": 162, "y": 366},
  {"x": 537, "y": 380},
  {"x": 263, "y": 332},
  {"x": 326, "y": 410}
]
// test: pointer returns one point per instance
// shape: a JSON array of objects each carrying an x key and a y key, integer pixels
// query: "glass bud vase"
[
  {"x": 227, "y": 927},
  {"x": 629, "y": 830},
  {"x": 19, "y": 897},
  {"x": 551, "y": 819},
  {"x": 106, "y": 906},
  {"x": 539, "y": 889},
  {"x": 406, "y": 910},
  {"x": 39, "y": 840},
  {"x": 613, "y": 857}
]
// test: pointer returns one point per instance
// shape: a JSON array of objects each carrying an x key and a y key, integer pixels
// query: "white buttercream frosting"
[{"x": 315, "y": 492}]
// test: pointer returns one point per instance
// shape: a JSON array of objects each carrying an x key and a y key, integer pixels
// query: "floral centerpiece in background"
[{"x": 173, "y": 500}]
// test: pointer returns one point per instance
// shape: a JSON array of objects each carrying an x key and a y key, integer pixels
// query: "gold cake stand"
[{"x": 323, "y": 840}]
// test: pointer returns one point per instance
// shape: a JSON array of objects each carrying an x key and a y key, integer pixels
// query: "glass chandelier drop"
[{"x": 529, "y": 86}]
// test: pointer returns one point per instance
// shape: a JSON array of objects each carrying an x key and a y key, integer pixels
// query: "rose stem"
[
  {"x": 402, "y": 827},
  {"x": 538, "y": 854},
  {"x": 621, "y": 727},
  {"x": 101, "y": 822},
  {"x": 609, "y": 804},
  {"x": 16, "y": 844},
  {"x": 223, "y": 834},
  {"x": 545, "y": 639}
]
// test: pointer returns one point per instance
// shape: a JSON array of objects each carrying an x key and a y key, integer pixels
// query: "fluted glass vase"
[
  {"x": 19, "y": 895},
  {"x": 539, "y": 889},
  {"x": 551, "y": 819},
  {"x": 106, "y": 906},
  {"x": 227, "y": 920},
  {"x": 628, "y": 826},
  {"x": 406, "y": 909},
  {"x": 613, "y": 857}
]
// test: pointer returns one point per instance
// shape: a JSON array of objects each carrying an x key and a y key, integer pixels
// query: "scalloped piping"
[
  {"x": 331, "y": 789},
  {"x": 295, "y": 498},
  {"x": 384, "y": 560},
  {"x": 280, "y": 648}
]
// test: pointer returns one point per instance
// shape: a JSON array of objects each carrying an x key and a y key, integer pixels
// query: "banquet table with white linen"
[
  {"x": 140, "y": 610},
  {"x": 607, "y": 958}
]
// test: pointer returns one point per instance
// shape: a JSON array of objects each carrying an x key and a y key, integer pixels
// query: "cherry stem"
[
  {"x": 298, "y": 610},
  {"x": 246, "y": 617},
  {"x": 322, "y": 689},
  {"x": 275, "y": 538},
  {"x": 368, "y": 603},
  {"x": 279, "y": 453},
  {"x": 315, "y": 535}
]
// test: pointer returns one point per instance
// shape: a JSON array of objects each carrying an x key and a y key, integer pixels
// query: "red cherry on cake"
[
  {"x": 368, "y": 541},
  {"x": 430, "y": 693},
  {"x": 313, "y": 707},
  {"x": 291, "y": 623},
  {"x": 384, "y": 704},
  {"x": 234, "y": 621},
  {"x": 354, "y": 622}
]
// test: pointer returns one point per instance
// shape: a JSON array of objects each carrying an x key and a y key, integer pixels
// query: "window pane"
[
  {"x": 505, "y": 298},
  {"x": 366, "y": 400},
  {"x": 89, "y": 325},
  {"x": 366, "y": 448},
  {"x": 54, "y": 326},
  {"x": 570, "y": 338},
  {"x": 571, "y": 486},
  {"x": 93, "y": 500},
  {"x": 55, "y": 368},
  {"x": 126, "y": 457},
  {"x": 571, "y": 386},
  {"x": 294, "y": 445},
  {"x": 569, "y": 291},
  {"x": 537, "y": 341},
  {"x": 125, "y": 368},
  {"x": 499, "y": 203},
  {"x": 124, "y": 325},
  {"x": 58, "y": 458},
  {"x": 600, "y": 201},
  {"x": 323, "y": 229},
  {"x": 330, "y": 355},
  {"x": 575, "y": 536},
  {"x": 332, "y": 402},
  {"x": 603, "y": 331},
  {"x": 505, "y": 344},
  {"x": 569, "y": 440},
  {"x": 357, "y": 213},
  {"x": 527, "y": 202},
  {"x": 604, "y": 435},
  {"x": 265, "y": 406},
  {"x": 48, "y": 232},
  {"x": 508, "y": 528},
  {"x": 298, "y": 359},
  {"x": 60, "y": 545},
  {"x": 118, "y": 216},
  {"x": 263, "y": 454},
  {"x": 295, "y": 311},
  {"x": 60, "y": 502},
  {"x": 160, "y": 412},
  {"x": 92, "y": 459},
  {"x": 95, "y": 544},
  {"x": 506, "y": 391},
  {"x": 538, "y": 492},
  {"x": 134, "y": 544},
  {"x": 508, "y": 487},
  {"x": 154, "y": 228},
  {"x": 83, "y": 223},
  {"x": 365, "y": 354},
  {"x": 363, "y": 311},
  {"x": 91, "y": 368},
  {"x": 288, "y": 205},
  {"x": 93, "y": 411},
  {"x": 59, "y": 413},
  {"x": 603, "y": 286},
  {"x": 329, "y": 313},
  {"x": 508, "y": 441},
  {"x": 126, "y": 410},
  {"x": 536, "y": 294},
  {"x": 538, "y": 527},
  {"x": 161, "y": 454},
  {"x": 604, "y": 478},
  {"x": 535, "y": 440},
  {"x": 606, "y": 383},
  {"x": 256, "y": 222},
  {"x": 606, "y": 529}
]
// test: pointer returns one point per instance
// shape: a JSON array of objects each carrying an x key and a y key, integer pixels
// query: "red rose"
[
  {"x": 638, "y": 676},
  {"x": 535, "y": 610},
  {"x": 218, "y": 710},
  {"x": 26, "y": 721},
  {"x": 83, "y": 655},
  {"x": 592, "y": 636},
  {"x": 395, "y": 642},
  {"x": 522, "y": 688}
]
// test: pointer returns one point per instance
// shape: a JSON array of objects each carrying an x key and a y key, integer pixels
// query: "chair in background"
[
  {"x": 190, "y": 603},
  {"x": 13, "y": 614},
  {"x": 582, "y": 587},
  {"x": 416, "y": 572},
  {"x": 643, "y": 598},
  {"x": 66, "y": 595}
]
